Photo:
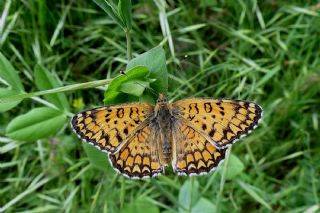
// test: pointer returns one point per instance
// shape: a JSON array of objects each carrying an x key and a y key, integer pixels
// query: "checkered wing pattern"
[
  {"x": 108, "y": 128},
  {"x": 139, "y": 157},
  {"x": 221, "y": 121},
  {"x": 194, "y": 154}
]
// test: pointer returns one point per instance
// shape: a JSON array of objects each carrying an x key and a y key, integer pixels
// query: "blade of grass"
[
  {"x": 254, "y": 194},
  {"x": 37, "y": 183}
]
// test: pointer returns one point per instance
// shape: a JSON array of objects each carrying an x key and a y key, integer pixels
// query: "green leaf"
[
  {"x": 45, "y": 80},
  {"x": 9, "y": 75},
  {"x": 235, "y": 167},
  {"x": 141, "y": 205},
  {"x": 148, "y": 70},
  {"x": 188, "y": 195},
  {"x": 203, "y": 206},
  {"x": 155, "y": 61},
  {"x": 147, "y": 98},
  {"x": 134, "y": 87},
  {"x": 111, "y": 11},
  {"x": 36, "y": 124},
  {"x": 125, "y": 12},
  {"x": 137, "y": 75},
  {"x": 7, "y": 93},
  {"x": 97, "y": 158}
]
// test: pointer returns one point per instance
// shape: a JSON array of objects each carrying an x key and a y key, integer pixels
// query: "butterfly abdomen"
[{"x": 164, "y": 127}]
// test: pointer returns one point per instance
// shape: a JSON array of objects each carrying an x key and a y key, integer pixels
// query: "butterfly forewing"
[
  {"x": 109, "y": 127},
  {"x": 222, "y": 120},
  {"x": 194, "y": 154}
]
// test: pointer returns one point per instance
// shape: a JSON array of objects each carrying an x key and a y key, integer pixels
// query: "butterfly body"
[
  {"x": 191, "y": 134},
  {"x": 163, "y": 121}
]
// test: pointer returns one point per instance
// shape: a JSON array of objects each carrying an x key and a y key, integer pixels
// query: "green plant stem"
[
  {"x": 223, "y": 180},
  {"x": 129, "y": 45},
  {"x": 86, "y": 85}
]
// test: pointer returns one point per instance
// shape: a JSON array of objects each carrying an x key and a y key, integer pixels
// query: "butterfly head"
[{"x": 162, "y": 99}]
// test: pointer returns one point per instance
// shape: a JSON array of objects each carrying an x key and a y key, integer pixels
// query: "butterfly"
[{"x": 192, "y": 134}]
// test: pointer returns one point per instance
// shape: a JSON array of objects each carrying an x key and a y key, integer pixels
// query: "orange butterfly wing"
[
  {"x": 221, "y": 121},
  {"x": 193, "y": 154},
  {"x": 139, "y": 157},
  {"x": 108, "y": 128}
]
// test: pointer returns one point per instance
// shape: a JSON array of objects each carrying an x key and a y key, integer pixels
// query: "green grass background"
[{"x": 264, "y": 51}]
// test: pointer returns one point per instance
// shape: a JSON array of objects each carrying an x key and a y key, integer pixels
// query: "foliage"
[{"x": 53, "y": 57}]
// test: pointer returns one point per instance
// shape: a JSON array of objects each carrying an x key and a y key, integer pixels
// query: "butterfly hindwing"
[
  {"x": 222, "y": 120},
  {"x": 193, "y": 154},
  {"x": 109, "y": 127},
  {"x": 139, "y": 157}
]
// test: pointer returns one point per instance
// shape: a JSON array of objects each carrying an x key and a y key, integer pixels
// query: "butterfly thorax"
[{"x": 163, "y": 121}]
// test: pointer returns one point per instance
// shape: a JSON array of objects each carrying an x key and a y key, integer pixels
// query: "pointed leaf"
[
  {"x": 235, "y": 167},
  {"x": 124, "y": 10},
  {"x": 8, "y": 75},
  {"x": 111, "y": 11},
  {"x": 114, "y": 93},
  {"x": 96, "y": 157},
  {"x": 203, "y": 206},
  {"x": 7, "y": 93},
  {"x": 155, "y": 61},
  {"x": 188, "y": 195}
]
